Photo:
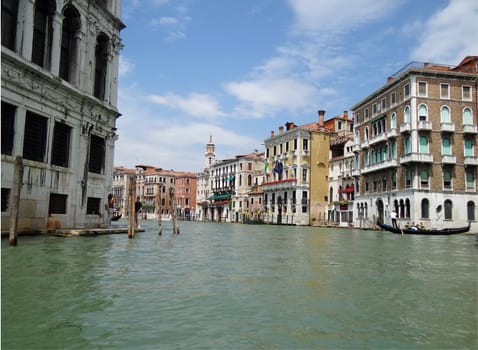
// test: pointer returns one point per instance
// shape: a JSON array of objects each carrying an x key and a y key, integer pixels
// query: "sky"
[{"x": 235, "y": 70}]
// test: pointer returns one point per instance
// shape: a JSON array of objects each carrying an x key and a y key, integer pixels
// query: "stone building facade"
[
  {"x": 59, "y": 109},
  {"x": 296, "y": 166},
  {"x": 416, "y": 147}
]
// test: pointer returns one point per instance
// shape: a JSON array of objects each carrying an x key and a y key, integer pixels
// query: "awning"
[
  {"x": 223, "y": 196},
  {"x": 348, "y": 189}
]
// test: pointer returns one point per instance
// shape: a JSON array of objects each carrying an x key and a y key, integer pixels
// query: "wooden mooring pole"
[
  {"x": 15, "y": 199},
  {"x": 158, "y": 210},
  {"x": 131, "y": 201},
  {"x": 172, "y": 195}
]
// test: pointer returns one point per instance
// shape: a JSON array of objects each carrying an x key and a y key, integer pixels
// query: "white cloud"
[
  {"x": 337, "y": 15},
  {"x": 262, "y": 97},
  {"x": 154, "y": 137},
  {"x": 195, "y": 104},
  {"x": 125, "y": 66},
  {"x": 450, "y": 34}
]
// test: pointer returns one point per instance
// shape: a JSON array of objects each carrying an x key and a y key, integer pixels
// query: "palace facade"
[
  {"x": 415, "y": 144},
  {"x": 59, "y": 110}
]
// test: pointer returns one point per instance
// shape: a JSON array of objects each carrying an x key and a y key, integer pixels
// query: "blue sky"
[{"x": 237, "y": 69}]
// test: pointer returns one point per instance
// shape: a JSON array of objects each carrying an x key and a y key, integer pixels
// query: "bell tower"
[{"x": 210, "y": 153}]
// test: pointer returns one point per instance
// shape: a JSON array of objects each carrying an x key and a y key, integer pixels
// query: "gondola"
[
  {"x": 415, "y": 231},
  {"x": 116, "y": 216}
]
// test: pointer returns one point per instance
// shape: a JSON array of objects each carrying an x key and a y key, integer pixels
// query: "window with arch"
[
  {"x": 408, "y": 179},
  {"x": 394, "y": 180},
  {"x": 470, "y": 211},
  {"x": 424, "y": 182},
  {"x": 407, "y": 208},
  {"x": 101, "y": 63},
  {"x": 366, "y": 133},
  {"x": 249, "y": 180},
  {"x": 468, "y": 148},
  {"x": 357, "y": 137},
  {"x": 423, "y": 144},
  {"x": 447, "y": 183},
  {"x": 445, "y": 114},
  {"x": 406, "y": 114},
  {"x": 425, "y": 207},
  {"x": 69, "y": 42},
  {"x": 446, "y": 146},
  {"x": 470, "y": 178},
  {"x": 393, "y": 150},
  {"x": 9, "y": 23},
  {"x": 448, "y": 209},
  {"x": 422, "y": 113},
  {"x": 43, "y": 32},
  {"x": 407, "y": 145},
  {"x": 401, "y": 211},
  {"x": 467, "y": 116},
  {"x": 393, "y": 121}
]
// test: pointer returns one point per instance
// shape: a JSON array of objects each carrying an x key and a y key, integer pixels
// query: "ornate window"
[{"x": 69, "y": 42}]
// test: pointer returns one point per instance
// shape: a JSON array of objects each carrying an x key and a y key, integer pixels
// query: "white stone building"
[{"x": 59, "y": 109}]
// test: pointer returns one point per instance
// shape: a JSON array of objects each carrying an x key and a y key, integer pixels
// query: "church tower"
[{"x": 210, "y": 154}]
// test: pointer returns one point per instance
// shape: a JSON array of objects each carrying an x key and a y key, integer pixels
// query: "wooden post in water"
[
  {"x": 15, "y": 202},
  {"x": 131, "y": 201},
  {"x": 172, "y": 195},
  {"x": 158, "y": 210}
]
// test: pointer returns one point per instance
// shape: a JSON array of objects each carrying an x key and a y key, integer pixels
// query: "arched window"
[
  {"x": 401, "y": 212},
  {"x": 366, "y": 133},
  {"x": 408, "y": 179},
  {"x": 407, "y": 208},
  {"x": 249, "y": 180},
  {"x": 406, "y": 115},
  {"x": 445, "y": 114},
  {"x": 467, "y": 116},
  {"x": 470, "y": 210},
  {"x": 470, "y": 178},
  {"x": 9, "y": 23},
  {"x": 69, "y": 42},
  {"x": 425, "y": 208},
  {"x": 408, "y": 145},
  {"x": 468, "y": 148},
  {"x": 423, "y": 144},
  {"x": 424, "y": 178},
  {"x": 43, "y": 32},
  {"x": 448, "y": 210},
  {"x": 422, "y": 112},
  {"x": 394, "y": 150},
  {"x": 447, "y": 179},
  {"x": 101, "y": 64},
  {"x": 445, "y": 146},
  {"x": 393, "y": 121}
]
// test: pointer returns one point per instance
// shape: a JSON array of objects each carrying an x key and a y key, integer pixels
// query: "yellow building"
[{"x": 296, "y": 168}]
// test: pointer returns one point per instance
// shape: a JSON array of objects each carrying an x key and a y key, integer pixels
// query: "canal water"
[{"x": 232, "y": 286}]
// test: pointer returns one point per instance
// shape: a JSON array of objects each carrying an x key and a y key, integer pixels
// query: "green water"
[{"x": 231, "y": 286}]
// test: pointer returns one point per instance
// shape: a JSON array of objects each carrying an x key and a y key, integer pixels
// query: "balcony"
[
  {"x": 356, "y": 172},
  {"x": 470, "y": 160},
  {"x": 447, "y": 127},
  {"x": 380, "y": 166},
  {"x": 469, "y": 129},
  {"x": 425, "y": 125},
  {"x": 405, "y": 127},
  {"x": 416, "y": 158},
  {"x": 378, "y": 138},
  {"x": 392, "y": 133},
  {"x": 448, "y": 159},
  {"x": 364, "y": 144},
  {"x": 279, "y": 184},
  {"x": 356, "y": 147}
]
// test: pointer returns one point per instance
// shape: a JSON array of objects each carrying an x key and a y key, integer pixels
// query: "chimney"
[
  {"x": 321, "y": 118},
  {"x": 272, "y": 133},
  {"x": 389, "y": 79},
  {"x": 281, "y": 129},
  {"x": 346, "y": 114}
]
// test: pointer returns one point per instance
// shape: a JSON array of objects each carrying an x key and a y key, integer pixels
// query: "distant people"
[
  {"x": 137, "y": 209},
  {"x": 393, "y": 216},
  {"x": 413, "y": 227},
  {"x": 110, "y": 209},
  {"x": 420, "y": 226}
]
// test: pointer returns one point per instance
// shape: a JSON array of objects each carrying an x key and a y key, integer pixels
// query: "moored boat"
[{"x": 417, "y": 231}]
